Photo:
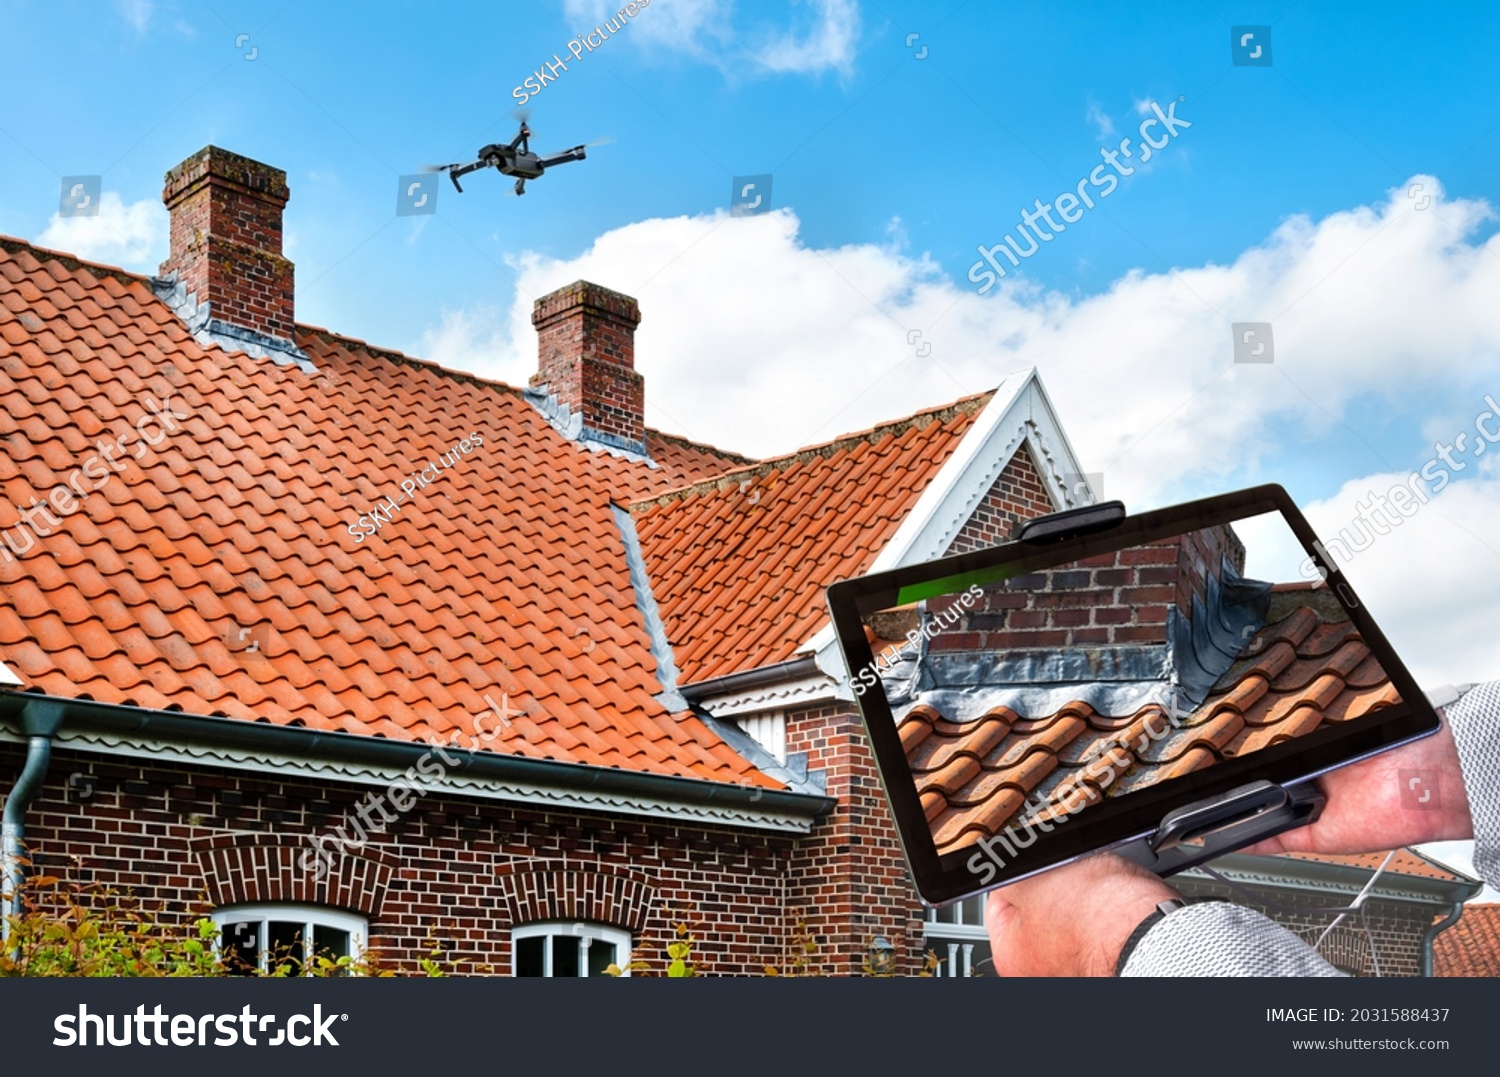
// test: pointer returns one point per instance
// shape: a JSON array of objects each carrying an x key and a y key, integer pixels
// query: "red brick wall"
[
  {"x": 464, "y": 869},
  {"x": 225, "y": 231},
  {"x": 848, "y": 882},
  {"x": 586, "y": 357},
  {"x": 1018, "y": 494}
]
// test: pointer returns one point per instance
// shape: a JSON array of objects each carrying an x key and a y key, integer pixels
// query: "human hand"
[
  {"x": 1371, "y": 809},
  {"x": 1072, "y": 920}
]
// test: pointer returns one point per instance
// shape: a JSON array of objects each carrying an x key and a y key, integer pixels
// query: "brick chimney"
[
  {"x": 231, "y": 278},
  {"x": 586, "y": 361}
]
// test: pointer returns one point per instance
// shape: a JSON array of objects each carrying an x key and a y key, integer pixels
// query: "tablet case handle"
[
  {"x": 1071, "y": 523},
  {"x": 1209, "y": 828}
]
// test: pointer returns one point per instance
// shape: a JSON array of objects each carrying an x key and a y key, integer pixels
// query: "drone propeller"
[{"x": 581, "y": 146}]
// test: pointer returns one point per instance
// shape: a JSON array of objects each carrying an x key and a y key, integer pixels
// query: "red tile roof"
[
  {"x": 973, "y": 777},
  {"x": 738, "y": 563},
  {"x": 1471, "y": 947},
  {"x": 506, "y": 573}
]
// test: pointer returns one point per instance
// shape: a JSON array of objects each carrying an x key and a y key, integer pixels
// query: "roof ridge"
[
  {"x": 402, "y": 359},
  {"x": 967, "y": 405},
  {"x": 15, "y": 244},
  {"x": 679, "y": 439},
  {"x": 399, "y": 357}
]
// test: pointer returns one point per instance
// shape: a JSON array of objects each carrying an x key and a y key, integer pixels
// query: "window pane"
[
  {"x": 529, "y": 956},
  {"x": 284, "y": 941},
  {"x": 972, "y": 911},
  {"x": 601, "y": 956},
  {"x": 565, "y": 955},
  {"x": 330, "y": 942},
  {"x": 240, "y": 944}
]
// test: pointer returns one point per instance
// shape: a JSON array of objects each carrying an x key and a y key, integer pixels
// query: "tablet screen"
[{"x": 1031, "y": 696}]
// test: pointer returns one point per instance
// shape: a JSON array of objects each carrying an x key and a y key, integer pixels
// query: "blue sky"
[{"x": 1343, "y": 194}]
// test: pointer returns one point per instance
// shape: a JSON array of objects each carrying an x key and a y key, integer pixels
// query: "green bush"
[{"x": 68, "y": 929}]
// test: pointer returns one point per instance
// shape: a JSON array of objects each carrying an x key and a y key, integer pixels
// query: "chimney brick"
[
  {"x": 226, "y": 241},
  {"x": 586, "y": 359}
]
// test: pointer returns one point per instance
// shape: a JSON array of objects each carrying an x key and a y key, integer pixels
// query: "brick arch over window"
[
  {"x": 554, "y": 890},
  {"x": 241, "y": 868}
]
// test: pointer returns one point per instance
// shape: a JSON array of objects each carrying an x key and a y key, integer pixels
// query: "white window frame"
[
  {"x": 356, "y": 926},
  {"x": 957, "y": 938},
  {"x": 587, "y": 931}
]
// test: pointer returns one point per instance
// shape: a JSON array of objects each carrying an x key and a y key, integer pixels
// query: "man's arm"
[
  {"x": 1074, "y": 921},
  {"x": 1219, "y": 939}
]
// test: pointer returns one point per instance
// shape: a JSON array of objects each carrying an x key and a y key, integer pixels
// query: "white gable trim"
[{"x": 1020, "y": 413}]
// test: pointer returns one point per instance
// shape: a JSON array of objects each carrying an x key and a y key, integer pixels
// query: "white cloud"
[
  {"x": 829, "y": 45},
  {"x": 764, "y": 343},
  {"x": 1101, "y": 121},
  {"x": 1433, "y": 582},
  {"x": 133, "y": 236},
  {"x": 470, "y": 339},
  {"x": 696, "y": 27},
  {"x": 710, "y": 31},
  {"x": 136, "y": 12}
]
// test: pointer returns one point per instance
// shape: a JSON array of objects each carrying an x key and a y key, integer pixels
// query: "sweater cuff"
[
  {"x": 1475, "y": 721},
  {"x": 1220, "y": 939}
]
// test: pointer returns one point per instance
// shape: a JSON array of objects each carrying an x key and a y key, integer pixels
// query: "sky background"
[{"x": 1345, "y": 194}]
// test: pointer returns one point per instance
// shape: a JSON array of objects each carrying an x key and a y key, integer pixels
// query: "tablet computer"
[{"x": 1165, "y": 684}]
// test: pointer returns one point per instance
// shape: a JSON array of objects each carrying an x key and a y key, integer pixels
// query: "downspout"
[
  {"x": 40, "y": 721},
  {"x": 1430, "y": 935}
]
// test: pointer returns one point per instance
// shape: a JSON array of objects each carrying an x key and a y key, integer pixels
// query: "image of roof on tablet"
[{"x": 1029, "y": 700}]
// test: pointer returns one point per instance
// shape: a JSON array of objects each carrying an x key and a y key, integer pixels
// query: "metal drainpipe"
[
  {"x": 40, "y": 722},
  {"x": 1430, "y": 936}
]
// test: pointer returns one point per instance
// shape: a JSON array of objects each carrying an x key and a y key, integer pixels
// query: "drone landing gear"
[
  {"x": 1210, "y": 828},
  {"x": 520, "y": 186}
]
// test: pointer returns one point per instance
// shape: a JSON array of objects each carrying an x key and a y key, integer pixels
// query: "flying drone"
[{"x": 513, "y": 158}]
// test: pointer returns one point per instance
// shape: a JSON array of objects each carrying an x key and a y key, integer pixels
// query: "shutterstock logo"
[{"x": 157, "y": 1029}]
